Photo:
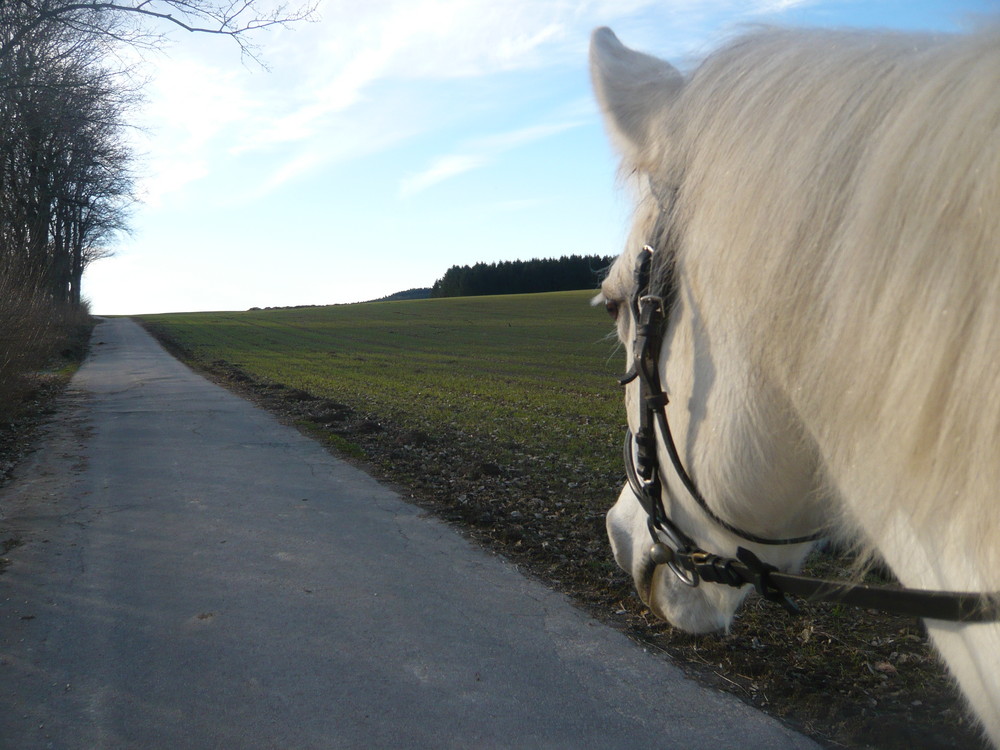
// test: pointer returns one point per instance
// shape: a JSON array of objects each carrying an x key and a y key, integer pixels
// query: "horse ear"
[{"x": 634, "y": 91}]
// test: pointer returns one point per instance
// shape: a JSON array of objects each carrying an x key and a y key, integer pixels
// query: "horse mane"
[{"x": 836, "y": 198}]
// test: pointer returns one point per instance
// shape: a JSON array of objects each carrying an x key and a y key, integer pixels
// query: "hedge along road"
[{"x": 193, "y": 574}]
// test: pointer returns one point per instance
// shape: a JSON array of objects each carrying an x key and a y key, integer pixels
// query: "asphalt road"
[{"x": 193, "y": 574}]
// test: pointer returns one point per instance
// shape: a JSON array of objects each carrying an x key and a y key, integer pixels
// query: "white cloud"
[
  {"x": 448, "y": 38},
  {"x": 169, "y": 176},
  {"x": 766, "y": 7},
  {"x": 443, "y": 168},
  {"x": 479, "y": 152},
  {"x": 522, "y": 136},
  {"x": 191, "y": 111}
]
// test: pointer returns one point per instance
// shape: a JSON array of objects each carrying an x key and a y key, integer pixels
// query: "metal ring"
[{"x": 685, "y": 575}]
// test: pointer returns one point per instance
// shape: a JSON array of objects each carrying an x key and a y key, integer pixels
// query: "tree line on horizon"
[{"x": 570, "y": 272}]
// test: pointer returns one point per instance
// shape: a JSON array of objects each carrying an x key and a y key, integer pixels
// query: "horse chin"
[
  {"x": 702, "y": 609},
  {"x": 693, "y": 610}
]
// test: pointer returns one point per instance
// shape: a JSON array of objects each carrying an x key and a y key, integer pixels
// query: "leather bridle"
[{"x": 691, "y": 564}]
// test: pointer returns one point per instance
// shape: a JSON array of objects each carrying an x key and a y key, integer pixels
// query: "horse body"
[{"x": 830, "y": 205}]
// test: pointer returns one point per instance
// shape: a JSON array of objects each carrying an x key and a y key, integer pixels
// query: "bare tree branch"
[{"x": 233, "y": 19}]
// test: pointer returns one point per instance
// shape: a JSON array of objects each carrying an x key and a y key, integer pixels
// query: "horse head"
[
  {"x": 825, "y": 286},
  {"x": 732, "y": 429}
]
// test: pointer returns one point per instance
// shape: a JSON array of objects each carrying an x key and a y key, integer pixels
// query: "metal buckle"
[{"x": 646, "y": 298}]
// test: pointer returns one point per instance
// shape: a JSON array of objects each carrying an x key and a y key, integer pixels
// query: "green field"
[{"x": 530, "y": 374}]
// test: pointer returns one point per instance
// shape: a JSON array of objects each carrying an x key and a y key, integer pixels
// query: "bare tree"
[
  {"x": 126, "y": 20},
  {"x": 65, "y": 167},
  {"x": 65, "y": 181},
  {"x": 65, "y": 172}
]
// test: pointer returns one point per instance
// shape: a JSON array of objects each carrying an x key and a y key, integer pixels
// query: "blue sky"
[{"x": 393, "y": 139}]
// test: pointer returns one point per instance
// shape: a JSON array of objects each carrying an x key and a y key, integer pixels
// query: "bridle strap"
[
  {"x": 692, "y": 564},
  {"x": 650, "y": 316},
  {"x": 774, "y": 585}
]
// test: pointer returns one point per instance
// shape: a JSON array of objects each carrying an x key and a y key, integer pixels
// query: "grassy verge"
[{"x": 501, "y": 415}]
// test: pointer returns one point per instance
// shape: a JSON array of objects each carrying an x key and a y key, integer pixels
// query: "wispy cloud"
[
  {"x": 522, "y": 136},
  {"x": 766, "y": 7},
  {"x": 443, "y": 168},
  {"x": 168, "y": 176},
  {"x": 479, "y": 152},
  {"x": 190, "y": 106}
]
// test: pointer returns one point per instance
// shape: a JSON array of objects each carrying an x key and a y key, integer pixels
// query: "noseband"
[{"x": 691, "y": 564}]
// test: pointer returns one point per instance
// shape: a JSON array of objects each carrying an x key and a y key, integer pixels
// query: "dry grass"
[
  {"x": 40, "y": 345},
  {"x": 33, "y": 332}
]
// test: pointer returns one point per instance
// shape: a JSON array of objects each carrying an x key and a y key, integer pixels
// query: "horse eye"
[{"x": 612, "y": 307}]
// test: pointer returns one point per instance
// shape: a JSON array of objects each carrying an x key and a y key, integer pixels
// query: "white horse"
[{"x": 828, "y": 203}]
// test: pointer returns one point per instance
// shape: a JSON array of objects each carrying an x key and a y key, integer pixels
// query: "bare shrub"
[{"x": 33, "y": 330}]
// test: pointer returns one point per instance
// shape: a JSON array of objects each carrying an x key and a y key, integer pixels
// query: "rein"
[{"x": 691, "y": 564}]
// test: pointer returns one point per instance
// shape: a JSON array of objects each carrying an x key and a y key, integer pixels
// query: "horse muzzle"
[{"x": 701, "y": 609}]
